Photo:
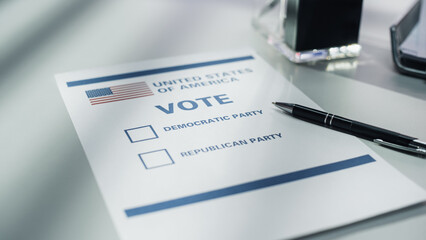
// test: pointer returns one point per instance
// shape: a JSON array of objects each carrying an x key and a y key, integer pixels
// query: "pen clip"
[{"x": 404, "y": 148}]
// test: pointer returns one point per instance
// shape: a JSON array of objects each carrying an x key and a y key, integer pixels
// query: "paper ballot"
[{"x": 192, "y": 148}]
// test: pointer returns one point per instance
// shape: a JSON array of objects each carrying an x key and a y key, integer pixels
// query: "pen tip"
[{"x": 274, "y": 103}]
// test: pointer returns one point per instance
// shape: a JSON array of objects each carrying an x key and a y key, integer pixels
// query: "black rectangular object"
[{"x": 319, "y": 24}]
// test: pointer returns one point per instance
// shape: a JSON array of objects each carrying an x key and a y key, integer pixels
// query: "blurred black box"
[{"x": 320, "y": 24}]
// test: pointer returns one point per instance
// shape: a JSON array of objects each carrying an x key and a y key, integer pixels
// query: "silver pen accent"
[
  {"x": 285, "y": 107},
  {"x": 414, "y": 149}
]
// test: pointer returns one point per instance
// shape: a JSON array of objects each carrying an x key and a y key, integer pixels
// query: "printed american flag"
[{"x": 118, "y": 93}]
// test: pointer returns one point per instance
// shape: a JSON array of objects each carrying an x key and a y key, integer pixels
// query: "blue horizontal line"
[
  {"x": 250, "y": 186},
  {"x": 154, "y": 71}
]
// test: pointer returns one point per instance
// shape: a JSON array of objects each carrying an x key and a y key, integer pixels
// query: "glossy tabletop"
[{"x": 47, "y": 189}]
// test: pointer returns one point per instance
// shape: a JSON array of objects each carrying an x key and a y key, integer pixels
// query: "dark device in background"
[
  {"x": 319, "y": 24},
  {"x": 405, "y": 62}
]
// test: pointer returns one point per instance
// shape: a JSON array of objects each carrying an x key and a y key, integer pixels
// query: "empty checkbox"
[
  {"x": 140, "y": 134},
  {"x": 156, "y": 158}
]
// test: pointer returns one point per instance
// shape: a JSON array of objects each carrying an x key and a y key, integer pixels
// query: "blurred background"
[{"x": 47, "y": 190}]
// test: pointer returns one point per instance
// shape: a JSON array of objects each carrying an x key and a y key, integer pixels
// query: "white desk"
[{"x": 46, "y": 186}]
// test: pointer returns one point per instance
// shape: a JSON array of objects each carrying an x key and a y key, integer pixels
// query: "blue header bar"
[
  {"x": 155, "y": 71},
  {"x": 251, "y": 186}
]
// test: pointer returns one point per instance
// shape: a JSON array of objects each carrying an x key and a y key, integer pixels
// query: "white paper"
[{"x": 199, "y": 170}]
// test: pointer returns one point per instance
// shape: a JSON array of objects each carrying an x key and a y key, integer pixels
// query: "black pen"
[{"x": 369, "y": 132}]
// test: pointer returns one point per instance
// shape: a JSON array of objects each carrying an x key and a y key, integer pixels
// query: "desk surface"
[{"x": 47, "y": 188}]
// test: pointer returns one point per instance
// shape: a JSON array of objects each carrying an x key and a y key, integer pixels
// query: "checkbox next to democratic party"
[
  {"x": 157, "y": 158},
  {"x": 140, "y": 134}
]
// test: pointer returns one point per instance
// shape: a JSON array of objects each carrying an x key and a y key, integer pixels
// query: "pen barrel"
[
  {"x": 371, "y": 132},
  {"x": 345, "y": 125},
  {"x": 309, "y": 114}
]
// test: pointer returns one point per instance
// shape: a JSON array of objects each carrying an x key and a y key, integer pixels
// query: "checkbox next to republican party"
[
  {"x": 140, "y": 134},
  {"x": 157, "y": 158}
]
